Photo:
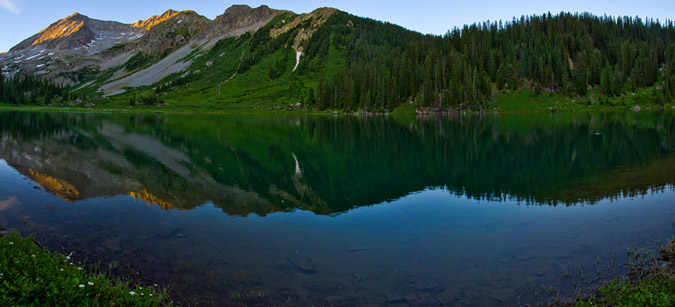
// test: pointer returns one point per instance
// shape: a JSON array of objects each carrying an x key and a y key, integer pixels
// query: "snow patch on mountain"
[{"x": 298, "y": 54}]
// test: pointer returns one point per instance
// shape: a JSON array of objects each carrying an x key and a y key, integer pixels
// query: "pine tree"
[{"x": 311, "y": 101}]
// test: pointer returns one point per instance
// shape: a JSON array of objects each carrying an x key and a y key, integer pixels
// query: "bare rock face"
[
  {"x": 79, "y": 32},
  {"x": 239, "y": 19},
  {"x": 78, "y": 47},
  {"x": 178, "y": 29},
  {"x": 68, "y": 49},
  {"x": 155, "y": 20}
]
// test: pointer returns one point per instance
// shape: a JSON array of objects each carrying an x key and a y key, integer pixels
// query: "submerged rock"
[
  {"x": 394, "y": 297},
  {"x": 302, "y": 263},
  {"x": 324, "y": 286},
  {"x": 502, "y": 295},
  {"x": 338, "y": 300},
  {"x": 112, "y": 244}
]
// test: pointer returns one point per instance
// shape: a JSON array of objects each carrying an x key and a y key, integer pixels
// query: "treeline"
[
  {"x": 567, "y": 53},
  {"x": 146, "y": 100},
  {"x": 29, "y": 89},
  {"x": 263, "y": 43}
]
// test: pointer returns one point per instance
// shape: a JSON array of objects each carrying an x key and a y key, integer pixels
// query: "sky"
[{"x": 20, "y": 19}]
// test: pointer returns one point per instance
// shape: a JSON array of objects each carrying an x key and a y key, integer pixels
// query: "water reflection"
[
  {"x": 343, "y": 211},
  {"x": 264, "y": 164}
]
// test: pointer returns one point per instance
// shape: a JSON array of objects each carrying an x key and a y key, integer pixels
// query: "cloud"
[{"x": 12, "y": 6}]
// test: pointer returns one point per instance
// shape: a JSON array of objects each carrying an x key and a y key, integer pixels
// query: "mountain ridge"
[
  {"x": 156, "y": 19},
  {"x": 329, "y": 59},
  {"x": 78, "y": 43},
  {"x": 74, "y": 31},
  {"x": 76, "y": 22}
]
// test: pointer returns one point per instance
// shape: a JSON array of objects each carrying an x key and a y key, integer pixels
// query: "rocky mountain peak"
[
  {"x": 79, "y": 33},
  {"x": 239, "y": 19},
  {"x": 237, "y": 8},
  {"x": 63, "y": 28},
  {"x": 170, "y": 30},
  {"x": 157, "y": 19},
  {"x": 76, "y": 16}
]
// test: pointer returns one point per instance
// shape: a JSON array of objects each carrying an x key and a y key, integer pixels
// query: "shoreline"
[
  {"x": 650, "y": 276},
  {"x": 255, "y": 111},
  {"x": 650, "y": 281}
]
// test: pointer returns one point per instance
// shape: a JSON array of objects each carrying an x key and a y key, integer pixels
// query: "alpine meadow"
[
  {"x": 345, "y": 156},
  {"x": 329, "y": 59}
]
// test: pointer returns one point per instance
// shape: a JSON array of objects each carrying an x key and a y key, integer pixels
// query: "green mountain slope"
[{"x": 330, "y": 59}]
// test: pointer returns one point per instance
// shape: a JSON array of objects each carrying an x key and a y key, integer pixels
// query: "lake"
[{"x": 344, "y": 210}]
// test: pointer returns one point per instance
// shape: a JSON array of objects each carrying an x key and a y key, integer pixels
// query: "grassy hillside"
[
  {"x": 252, "y": 70},
  {"x": 349, "y": 63}
]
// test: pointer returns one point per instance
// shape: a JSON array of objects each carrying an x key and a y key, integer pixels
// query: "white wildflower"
[
  {"x": 90, "y": 283},
  {"x": 81, "y": 286},
  {"x": 132, "y": 292}
]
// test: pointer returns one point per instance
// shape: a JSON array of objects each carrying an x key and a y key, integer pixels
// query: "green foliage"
[
  {"x": 262, "y": 44},
  {"x": 138, "y": 60},
  {"x": 180, "y": 81},
  {"x": 311, "y": 99},
  {"x": 388, "y": 65},
  {"x": 612, "y": 82},
  {"x": 650, "y": 286},
  {"x": 29, "y": 89},
  {"x": 651, "y": 292},
  {"x": 32, "y": 276},
  {"x": 353, "y": 63},
  {"x": 114, "y": 49},
  {"x": 146, "y": 100}
]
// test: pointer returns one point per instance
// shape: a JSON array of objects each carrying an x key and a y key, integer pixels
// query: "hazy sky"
[{"x": 19, "y": 19}]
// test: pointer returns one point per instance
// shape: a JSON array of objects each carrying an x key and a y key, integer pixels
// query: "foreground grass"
[
  {"x": 32, "y": 276},
  {"x": 653, "y": 285}
]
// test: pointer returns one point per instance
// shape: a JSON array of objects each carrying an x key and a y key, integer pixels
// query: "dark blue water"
[{"x": 344, "y": 211}]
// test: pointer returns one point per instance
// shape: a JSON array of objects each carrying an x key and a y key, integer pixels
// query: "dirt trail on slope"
[{"x": 241, "y": 57}]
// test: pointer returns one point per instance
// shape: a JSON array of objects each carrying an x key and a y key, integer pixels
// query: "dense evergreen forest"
[
  {"x": 566, "y": 53},
  {"x": 30, "y": 89},
  {"x": 377, "y": 66}
]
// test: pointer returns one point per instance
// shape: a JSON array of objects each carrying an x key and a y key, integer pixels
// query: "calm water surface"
[{"x": 242, "y": 209}]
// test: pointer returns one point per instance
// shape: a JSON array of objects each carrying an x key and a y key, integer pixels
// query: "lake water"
[{"x": 299, "y": 210}]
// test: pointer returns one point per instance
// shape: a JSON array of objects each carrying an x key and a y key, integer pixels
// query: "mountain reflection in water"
[
  {"x": 344, "y": 210},
  {"x": 262, "y": 164}
]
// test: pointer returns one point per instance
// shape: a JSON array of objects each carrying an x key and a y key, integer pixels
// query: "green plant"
[
  {"x": 137, "y": 61},
  {"x": 658, "y": 291},
  {"x": 33, "y": 276},
  {"x": 653, "y": 286}
]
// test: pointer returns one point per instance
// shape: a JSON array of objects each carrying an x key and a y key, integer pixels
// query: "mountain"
[
  {"x": 77, "y": 32},
  {"x": 251, "y": 164},
  {"x": 77, "y": 47},
  {"x": 155, "y": 20},
  {"x": 329, "y": 59},
  {"x": 168, "y": 31},
  {"x": 239, "y": 19}
]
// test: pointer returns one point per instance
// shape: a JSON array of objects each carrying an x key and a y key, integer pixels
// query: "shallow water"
[{"x": 229, "y": 209}]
